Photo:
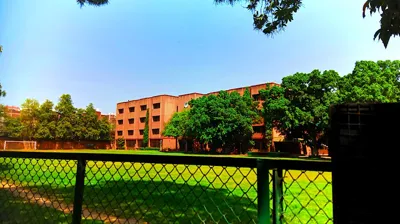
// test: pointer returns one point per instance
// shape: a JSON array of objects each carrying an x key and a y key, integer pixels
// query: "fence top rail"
[{"x": 210, "y": 160}]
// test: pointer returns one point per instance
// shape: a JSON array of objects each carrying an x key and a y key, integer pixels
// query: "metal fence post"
[
  {"x": 263, "y": 196},
  {"x": 277, "y": 193},
  {"x": 78, "y": 193}
]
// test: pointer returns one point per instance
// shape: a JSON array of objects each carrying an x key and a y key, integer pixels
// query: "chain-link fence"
[{"x": 39, "y": 187}]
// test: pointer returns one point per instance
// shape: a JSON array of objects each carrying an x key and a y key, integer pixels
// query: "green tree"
[
  {"x": 106, "y": 130},
  {"x": 66, "y": 118},
  {"x": 79, "y": 128},
  {"x": 3, "y": 117},
  {"x": 14, "y": 127},
  {"x": 30, "y": 118},
  {"x": 47, "y": 121},
  {"x": 120, "y": 143},
  {"x": 300, "y": 106},
  {"x": 2, "y": 91},
  {"x": 272, "y": 16},
  {"x": 146, "y": 130},
  {"x": 91, "y": 123},
  {"x": 224, "y": 120},
  {"x": 9, "y": 126},
  {"x": 372, "y": 82},
  {"x": 177, "y": 126}
]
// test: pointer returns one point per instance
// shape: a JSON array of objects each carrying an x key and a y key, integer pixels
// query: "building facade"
[
  {"x": 131, "y": 115},
  {"x": 13, "y": 111}
]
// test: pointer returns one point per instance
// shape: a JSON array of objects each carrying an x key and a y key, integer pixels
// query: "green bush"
[
  {"x": 120, "y": 143},
  {"x": 149, "y": 148}
]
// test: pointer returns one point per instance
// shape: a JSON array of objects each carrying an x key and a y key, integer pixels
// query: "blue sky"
[{"x": 136, "y": 48}]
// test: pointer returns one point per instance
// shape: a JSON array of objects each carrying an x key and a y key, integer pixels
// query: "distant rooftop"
[{"x": 273, "y": 83}]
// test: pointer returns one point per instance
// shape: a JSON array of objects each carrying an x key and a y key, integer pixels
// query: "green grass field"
[{"x": 157, "y": 193}]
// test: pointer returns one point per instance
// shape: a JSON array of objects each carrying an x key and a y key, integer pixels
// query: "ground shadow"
[
  {"x": 162, "y": 202},
  {"x": 14, "y": 209}
]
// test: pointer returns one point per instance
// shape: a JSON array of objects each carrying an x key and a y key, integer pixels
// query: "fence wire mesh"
[
  {"x": 38, "y": 190},
  {"x": 165, "y": 193},
  {"x": 307, "y": 197},
  {"x": 33, "y": 190}
]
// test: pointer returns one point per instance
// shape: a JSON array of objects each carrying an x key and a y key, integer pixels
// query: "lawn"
[{"x": 156, "y": 193}]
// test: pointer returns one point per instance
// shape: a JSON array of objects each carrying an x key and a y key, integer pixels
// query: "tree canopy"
[
  {"x": 29, "y": 118},
  {"x": 272, "y": 16},
  {"x": 177, "y": 126},
  {"x": 301, "y": 104},
  {"x": 299, "y": 107},
  {"x": 372, "y": 82},
  {"x": 223, "y": 121},
  {"x": 62, "y": 122}
]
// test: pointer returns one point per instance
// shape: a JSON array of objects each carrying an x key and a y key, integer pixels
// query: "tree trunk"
[{"x": 315, "y": 146}]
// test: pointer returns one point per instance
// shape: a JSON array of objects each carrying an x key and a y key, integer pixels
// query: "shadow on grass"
[
  {"x": 162, "y": 202},
  {"x": 16, "y": 210}
]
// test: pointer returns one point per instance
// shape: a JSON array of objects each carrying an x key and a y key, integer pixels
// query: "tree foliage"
[
  {"x": 300, "y": 106},
  {"x": 46, "y": 121},
  {"x": 146, "y": 130},
  {"x": 224, "y": 120},
  {"x": 30, "y": 118},
  {"x": 372, "y": 82},
  {"x": 272, "y": 16},
  {"x": 62, "y": 122},
  {"x": 65, "y": 129},
  {"x": 177, "y": 126}
]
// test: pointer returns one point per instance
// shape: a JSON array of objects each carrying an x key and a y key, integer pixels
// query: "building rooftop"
[{"x": 232, "y": 89}]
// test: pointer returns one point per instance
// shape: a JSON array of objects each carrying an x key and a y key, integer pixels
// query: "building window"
[
  {"x": 130, "y": 132},
  {"x": 131, "y": 109},
  {"x": 141, "y": 132},
  {"x": 156, "y": 118},
  {"x": 155, "y": 143},
  {"x": 156, "y": 106},
  {"x": 143, "y": 107},
  {"x": 256, "y": 97},
  {"x": 120, "y": 122},
  {"x": 142, "y": 119},
  {"x": 119, "y": 133},
  {"x": 131, "y": 143},
  {"x": 131, "y": 120},
  {"x": 258, "y": 129},
  {"x": 121, "y": 111},
  {"x": 155, "y": 131}
]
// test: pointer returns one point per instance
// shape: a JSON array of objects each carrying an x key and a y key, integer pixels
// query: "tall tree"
[
  {"x": 91, "y": 123},
  {"x": 66, "y": 118},
  {"x": 146, "y": 130},
  {"x": 223, "y": 121},
  {"x": 106, "y": 130},
  {"x": 177, "y": 126},
  {"x": 372, "y": 82},
  {"x": 47, "y": 121},
  {"x": 272, "y": 16},
  {"x": 300, "y": 106},
  {"x": 79, "y": 127},
  {"x": 30, "y": 118},
  {"x": 9, "y": 126},
  {"x": 2, "y": 91},
  {"x": 14, "y": 127}
]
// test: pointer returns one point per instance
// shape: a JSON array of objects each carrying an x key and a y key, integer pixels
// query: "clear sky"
[{"x": 136, "y": 48}]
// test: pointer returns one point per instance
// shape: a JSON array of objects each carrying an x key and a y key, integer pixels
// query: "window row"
[
  {"x": 155, "y": 131},
  {"x": 142, "y": 120},
  {"x": 142, "y": 108}
]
